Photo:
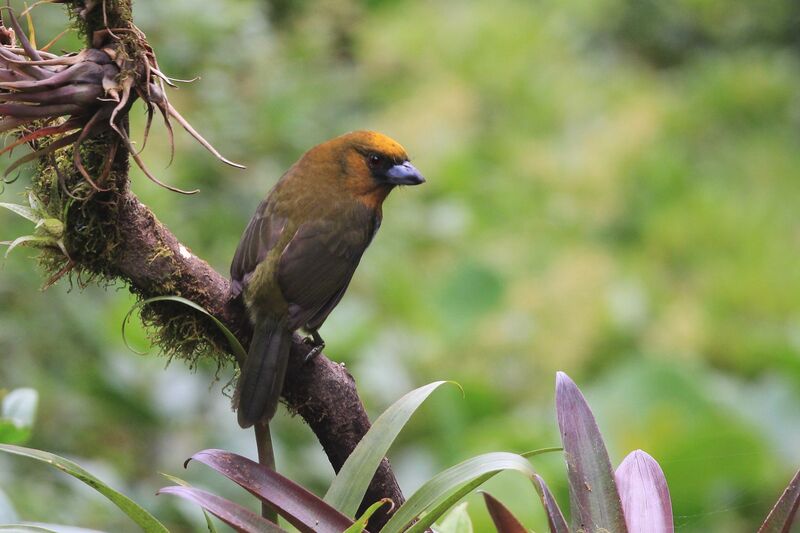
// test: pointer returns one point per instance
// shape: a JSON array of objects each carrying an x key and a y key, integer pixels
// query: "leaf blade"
[
  {"x": 184, "y": 483},
  {"x": 43, "y": 527},
  {"x": 503, "y": 519},
  {"x": 236, "y": 347},
  {"x": 301, "y": 508},
  {"x": 456, "y": 521},
  {"x": 28, "y": 240},
  {"x": 449, "y": 486},
  {"x": 350, "y": 484},
  {"x": 594, "y": 499},
  {"x": 138, "y": 514},
  {"x": 24, "y": 528},
  {"x": 21, "y": 210},
  {"x": 644, "y": 494},
  {"x": 555, "y": 518},
  {"x": 361, "y": 524},
  {"x": 231, "y": 513},
  {"x": 784, "y": 513}
]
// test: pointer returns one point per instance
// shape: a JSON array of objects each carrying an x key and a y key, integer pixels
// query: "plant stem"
[{"x": 266, "y": 457}]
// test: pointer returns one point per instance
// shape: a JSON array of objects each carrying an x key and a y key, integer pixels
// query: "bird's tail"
[{"x": 261, "y": 382}]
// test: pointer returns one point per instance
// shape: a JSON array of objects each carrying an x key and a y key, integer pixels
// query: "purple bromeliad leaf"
[
  {"x": 645, "y": 495},
  {"x": 594, "y": 500},
  {"x": 783, "y": 515}
]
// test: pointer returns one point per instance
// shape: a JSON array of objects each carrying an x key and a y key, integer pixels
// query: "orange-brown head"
[{"x": 369, "y": 165}]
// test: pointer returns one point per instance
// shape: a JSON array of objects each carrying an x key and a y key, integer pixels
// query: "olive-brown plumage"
[{"x": 300, "y": 249}]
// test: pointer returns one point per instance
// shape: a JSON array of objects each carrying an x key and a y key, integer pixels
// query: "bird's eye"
[{"x": 374, "y": 160}]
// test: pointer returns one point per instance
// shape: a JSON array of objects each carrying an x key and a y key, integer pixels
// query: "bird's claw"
[
  {"x": 315, "y": 351},
  {"x": 316, "y": 343}
]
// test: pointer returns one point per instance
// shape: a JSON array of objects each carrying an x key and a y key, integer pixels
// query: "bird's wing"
[
  {"x": 316, "y": 267},
  {"x": 260, "y": 236}
]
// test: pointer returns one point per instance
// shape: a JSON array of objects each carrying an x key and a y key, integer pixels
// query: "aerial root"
[{"x": 68, "y": 99}]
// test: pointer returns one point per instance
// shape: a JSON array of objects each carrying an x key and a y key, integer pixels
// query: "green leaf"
[
  {"x": 444, "y": 490},
  {"x": 52, "y": 226},
  {"x": 139, "y": 515},
  {"x": 22, "y": 210},
  {"x": 361, "y": 524},
  {"x": 503, "y": 519},
  {"x": 446, "y": 503},
  {"x": 17, "y": 415},
  {"x": 782, "y": 516},
  {"x": 41, "y": 527},
  {"x": 238, "y": 351},
  {"x": 540, "y": 451},
  {"x": 594, "y": 500},
  {"x": 28, "y": 240},
  {"x": 233, "y": 514},
  {"x": 24, "y": 528},
  {"x": 456, "y": 521},
  {"x": 350, "y": 484}
]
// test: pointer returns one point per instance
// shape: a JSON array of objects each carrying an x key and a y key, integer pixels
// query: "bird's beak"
[{"x": 404, "y": 174}]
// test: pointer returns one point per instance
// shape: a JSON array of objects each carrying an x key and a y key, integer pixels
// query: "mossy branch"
[{"x": 111, "y": 236}]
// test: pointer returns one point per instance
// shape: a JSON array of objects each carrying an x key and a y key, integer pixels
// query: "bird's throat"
[{"x": 374, "y": 196}]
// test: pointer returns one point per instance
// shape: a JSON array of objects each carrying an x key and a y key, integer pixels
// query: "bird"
[{"x": 300, "y": 249}]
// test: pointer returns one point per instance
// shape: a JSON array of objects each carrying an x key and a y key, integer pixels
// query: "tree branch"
[
  {"x": 322, "y": 392},
  {"x": 110, "y": 234}
]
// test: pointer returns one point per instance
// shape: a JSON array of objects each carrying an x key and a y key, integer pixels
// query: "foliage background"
[{"x": 612, "y": 191}]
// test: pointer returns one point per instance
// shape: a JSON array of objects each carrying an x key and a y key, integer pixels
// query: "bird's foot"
[{"x": 316, "y": 343}]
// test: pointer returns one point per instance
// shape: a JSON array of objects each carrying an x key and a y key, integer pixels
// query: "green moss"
[
  {"x": 118, "y": 13},
  {"x": 184, "y": 334},
  {"x": 177, "y": 330},
  {"x": 161, "y": 251},
  {"x": 92, "y": 240}
]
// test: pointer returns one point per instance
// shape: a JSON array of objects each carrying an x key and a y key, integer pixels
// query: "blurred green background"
[{"x": 612, "y": 191}]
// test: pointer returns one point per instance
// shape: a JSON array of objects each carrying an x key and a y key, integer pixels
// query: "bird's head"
[{"x": 369, "y": 164}]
